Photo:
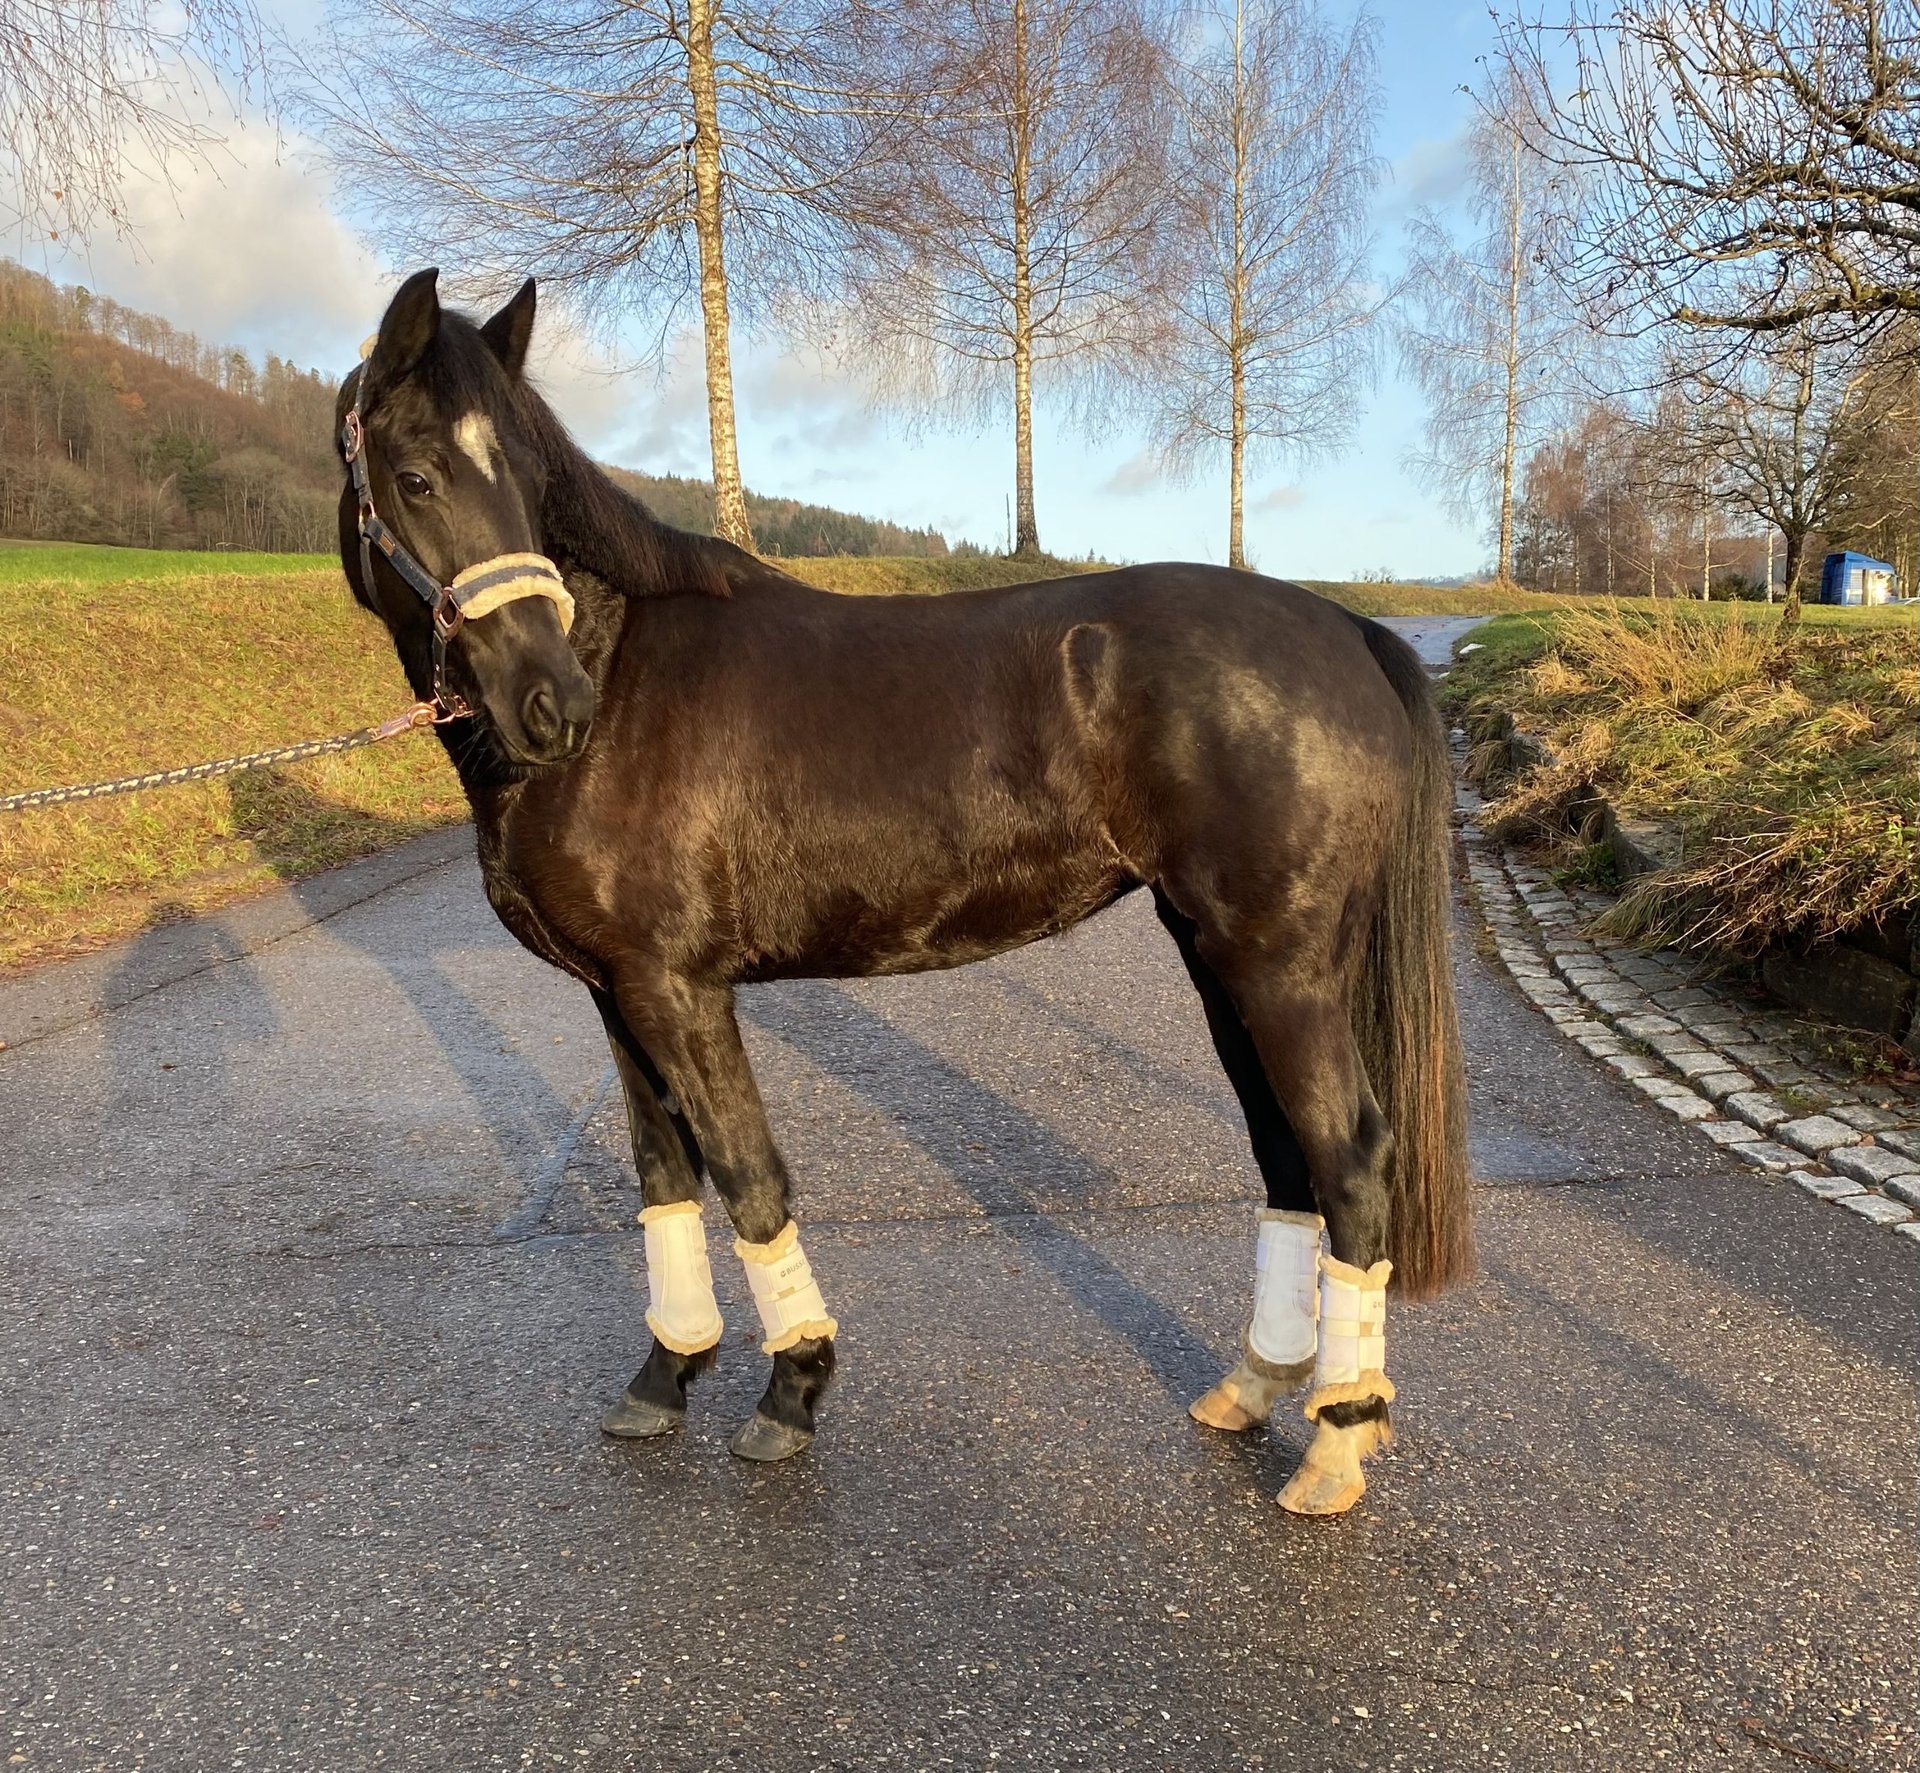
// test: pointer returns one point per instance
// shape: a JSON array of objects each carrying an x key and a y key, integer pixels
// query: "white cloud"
[
  {"x": 1137, "y": 474},
  {"x": 633, "y": 414},
  {"x": 1434, "y": 171},
  {"x": 1280, "y": 498},
  {"x": 244, "y": 250}
]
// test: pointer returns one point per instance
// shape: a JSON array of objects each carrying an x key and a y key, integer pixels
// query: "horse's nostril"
[{"x": 540, "y": 715}]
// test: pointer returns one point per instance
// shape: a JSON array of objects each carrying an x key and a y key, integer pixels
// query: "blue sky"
[{"x": 256, "y": 253}]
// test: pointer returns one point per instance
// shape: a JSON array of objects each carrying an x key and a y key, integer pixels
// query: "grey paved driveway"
[{"x": 316, "y": 1268}]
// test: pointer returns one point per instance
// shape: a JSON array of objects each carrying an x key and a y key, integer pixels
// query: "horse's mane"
[{"x": 585, "y": 520}]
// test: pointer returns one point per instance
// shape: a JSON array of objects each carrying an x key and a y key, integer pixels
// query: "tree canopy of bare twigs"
[
  {"x": 1486, "y": 329},
  {"x": 630, "y": 153},
  {"x": 1877, "y": 509},
  {"x": 1013, "y": 237},
  {"x": 1752, "y": 165},
  {"x": 1265, "y": 344},
  {"x": 86, "y": 83}
]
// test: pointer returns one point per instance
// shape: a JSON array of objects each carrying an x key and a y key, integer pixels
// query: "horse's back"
[
  {"x": 1221, "y": 723},
  {"x": 1167, "y": 620},
  {"x": 1190, "y": 692}
]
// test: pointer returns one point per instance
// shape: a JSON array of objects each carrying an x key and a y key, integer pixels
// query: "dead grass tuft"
[
  {"x": 1655, "y": 655},
  {"x": 1788, "y": 762}
]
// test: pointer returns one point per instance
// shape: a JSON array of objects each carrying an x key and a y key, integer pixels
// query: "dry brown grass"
[{"x": 1786, "y": 760}]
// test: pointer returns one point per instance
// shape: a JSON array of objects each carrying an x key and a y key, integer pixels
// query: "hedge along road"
[{"x": 317, "y": 1265}]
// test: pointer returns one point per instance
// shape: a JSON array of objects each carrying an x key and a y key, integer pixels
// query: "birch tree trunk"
[
  {"x": 1511, "y": 435},
  {"x": 1026, "y": 526},
  {"x": 729, "y": 498},
  {"x": 1237, "y": 474},
  {"x": 1237, "y": 308}
]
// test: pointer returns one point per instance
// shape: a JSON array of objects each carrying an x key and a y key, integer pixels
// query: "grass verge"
[
  {"x": 886, "y": 575},
  {"x": 1370, "y": 598},
  {"x": 1786, "y": 763},
  {"x": 101, "y": 679},
  {"x": 93, "y": 563}
]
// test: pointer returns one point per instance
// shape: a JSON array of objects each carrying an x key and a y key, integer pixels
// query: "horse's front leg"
[
  {"x": 689, "y": 1030},
  {"x": 681, "y": 1311}
]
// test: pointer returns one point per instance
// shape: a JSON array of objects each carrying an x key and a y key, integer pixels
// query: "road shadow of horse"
[
  {"x": 902, "y": 1076},
  {"x": 286, "y": 819},
  {"x": 817, "y": 1018},
  {"x": 144, "y": 1075}
]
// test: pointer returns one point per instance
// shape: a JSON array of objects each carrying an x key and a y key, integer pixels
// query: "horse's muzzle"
[{"x": 553, "y": 720}]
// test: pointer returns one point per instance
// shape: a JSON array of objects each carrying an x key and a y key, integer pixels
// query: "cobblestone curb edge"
[{"x": 1697, "y": 1054}]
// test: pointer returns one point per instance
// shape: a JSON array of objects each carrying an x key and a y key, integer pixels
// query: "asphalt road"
[{"x": 317, "y": 1267}]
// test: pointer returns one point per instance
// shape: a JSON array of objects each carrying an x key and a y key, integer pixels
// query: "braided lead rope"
[{"x": 421, "y": 715}]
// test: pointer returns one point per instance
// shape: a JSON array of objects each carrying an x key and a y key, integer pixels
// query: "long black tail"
[{"x": 1404, "y": 1015}]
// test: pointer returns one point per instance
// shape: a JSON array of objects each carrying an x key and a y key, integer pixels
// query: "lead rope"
[
  {"x": 485, "y": 586},
  {"x": 415, "y": 719}
]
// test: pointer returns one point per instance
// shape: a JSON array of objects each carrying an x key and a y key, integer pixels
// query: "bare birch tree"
[
  {"x": 628, "y": 152},
  {"x": 1772, "y": 426},
  {"x": 1012, "y": 238},
  {"x": 84, "y": 83},
  {"x": 1486, "y": 331},
  {"x": 1266, "y": 344}
]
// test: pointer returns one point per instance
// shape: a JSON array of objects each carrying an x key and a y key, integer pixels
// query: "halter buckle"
[
  {"x": 448, "y": 616},
  {"x": 353, "y": 436}
]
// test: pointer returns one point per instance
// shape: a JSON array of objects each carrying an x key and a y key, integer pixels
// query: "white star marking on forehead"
[{"x": 475, "y": 436}]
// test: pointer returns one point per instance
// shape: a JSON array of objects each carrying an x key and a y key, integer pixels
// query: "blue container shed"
[{"x": 1856, "y": 578}]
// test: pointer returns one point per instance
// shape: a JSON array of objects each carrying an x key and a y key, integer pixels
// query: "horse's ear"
[
  {"x": 508, "y": 332},
  {"x": 411, "y": 322}
]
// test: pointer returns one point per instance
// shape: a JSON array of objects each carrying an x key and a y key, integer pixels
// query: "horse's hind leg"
[
  {"x": 1300, "y": 1021},
  {"x": 689, "y": 1029},
  {"x": 685, "y": 1321},
  {"x": 1277, "y": 1344}
]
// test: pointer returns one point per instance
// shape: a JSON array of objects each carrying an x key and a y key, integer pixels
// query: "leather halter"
[{"x": 479, "y": 589}]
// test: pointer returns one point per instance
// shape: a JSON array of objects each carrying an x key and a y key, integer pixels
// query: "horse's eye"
[{"x": 413, "y": 485}]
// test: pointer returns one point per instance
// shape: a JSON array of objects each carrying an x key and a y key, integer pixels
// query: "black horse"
[{"x": 719, "y": 774}]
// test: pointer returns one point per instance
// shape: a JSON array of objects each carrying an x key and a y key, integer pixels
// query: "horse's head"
[{"x": 443, "y": 495}]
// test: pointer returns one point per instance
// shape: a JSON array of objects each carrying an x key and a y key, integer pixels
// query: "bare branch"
[{"x": 89, "y": 86}]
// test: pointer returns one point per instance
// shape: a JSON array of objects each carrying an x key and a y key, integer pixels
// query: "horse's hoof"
[
  {"x": 1245, "y": 1398},
  {"x": 766, "y": 1441},
  {"x": 634, "y": 1419},
  {"x": 1329, "y": 1480},
  {"x": 1223, "y": 1408}
]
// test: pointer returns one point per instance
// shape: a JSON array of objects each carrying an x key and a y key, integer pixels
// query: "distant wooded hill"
[
  {"x": 116, "y": 426},
  {"x": 782, "y": 526}
]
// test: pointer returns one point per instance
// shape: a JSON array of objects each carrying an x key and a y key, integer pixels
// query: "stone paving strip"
[{"x": 1706, "y": 1053}]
